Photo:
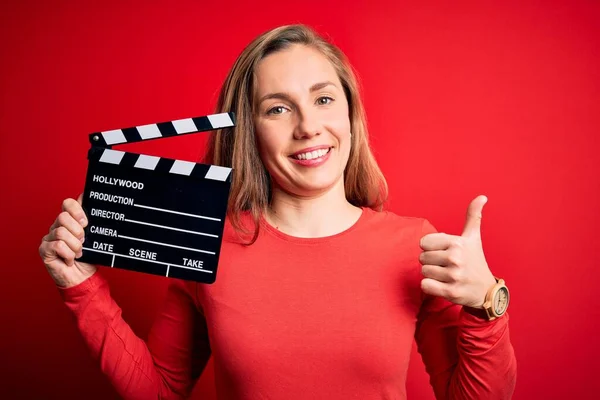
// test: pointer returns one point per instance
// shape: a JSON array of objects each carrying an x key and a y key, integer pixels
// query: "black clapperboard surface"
[{"x": 152, "y": 214}]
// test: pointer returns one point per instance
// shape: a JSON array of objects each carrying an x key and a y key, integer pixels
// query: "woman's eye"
[
  {"x": 276, "y": 110},
  {"x": 324, "y": 100}
]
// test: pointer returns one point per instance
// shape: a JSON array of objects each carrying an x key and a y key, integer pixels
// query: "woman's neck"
[{"x": 323, "y": 215}]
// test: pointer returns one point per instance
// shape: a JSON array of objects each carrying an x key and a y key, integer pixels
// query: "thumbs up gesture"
[{"x": 454, "y": 267}]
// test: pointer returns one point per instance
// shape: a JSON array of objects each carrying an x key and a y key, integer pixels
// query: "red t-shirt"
[{"x": 303, "y": 318}]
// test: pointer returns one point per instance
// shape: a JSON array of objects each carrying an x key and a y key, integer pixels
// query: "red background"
[{"x": 463, "y": 98}]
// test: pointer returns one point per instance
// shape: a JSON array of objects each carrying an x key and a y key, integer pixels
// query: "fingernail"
[
  {"x": 82, "y": 239},
  {"x": 82, "y": 221}
]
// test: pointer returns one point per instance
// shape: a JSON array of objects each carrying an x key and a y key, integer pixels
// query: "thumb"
[{"x": 474, "y": 215}]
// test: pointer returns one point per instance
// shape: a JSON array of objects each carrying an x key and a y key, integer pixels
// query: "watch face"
[{"x": 501, "y": 301}]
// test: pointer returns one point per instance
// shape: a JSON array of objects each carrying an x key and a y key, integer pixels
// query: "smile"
[
  {"x": 312, "y": 155},
  {"x": 313, "y": 158}
]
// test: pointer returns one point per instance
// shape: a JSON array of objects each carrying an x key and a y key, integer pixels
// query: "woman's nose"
[{"x": 308, "y": 125}]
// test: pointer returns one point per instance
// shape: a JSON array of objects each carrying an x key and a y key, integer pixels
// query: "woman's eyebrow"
[
  {"x": 286, "y": 96},
  {"x": 321, "y": 85}
]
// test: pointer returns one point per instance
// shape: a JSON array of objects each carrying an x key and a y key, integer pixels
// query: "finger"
[
  {"x": 436, "y": 288},
  {"x": 437, "y": 273},
  {"x": 474, "y": 216},
  {"x": 74, "y": 209},
  {"x": 436, "y": 241},
  {"x": 64, "y": 252},
  {"x": 66, "y": 220},
  {"x": 57, "y": 249},
  {"x": 62, "y": 233},
  {"x": 435, "y": 257},
  {"x": 80, "y": 198}
]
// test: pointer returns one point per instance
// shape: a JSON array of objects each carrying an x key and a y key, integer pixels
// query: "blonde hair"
[{"x": 236, "y": 147}]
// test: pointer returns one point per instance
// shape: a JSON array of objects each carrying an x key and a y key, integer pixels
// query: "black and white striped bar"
[
  {"x": 159, "y": 164},
  {"x": 154, "y": 215},
  {"x": 162, "y": 129}
]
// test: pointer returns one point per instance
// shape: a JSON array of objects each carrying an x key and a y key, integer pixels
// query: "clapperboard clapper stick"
[{"x": 152, "y": 214}]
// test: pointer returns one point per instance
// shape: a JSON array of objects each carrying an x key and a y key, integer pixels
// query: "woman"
[{"x": 319, "y": 293}]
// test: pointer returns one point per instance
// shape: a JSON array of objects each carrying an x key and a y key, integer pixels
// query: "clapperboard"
[{"x": 152, "y": 214}]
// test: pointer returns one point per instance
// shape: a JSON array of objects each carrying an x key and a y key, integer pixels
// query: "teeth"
[{"x": 312, "y": 154}]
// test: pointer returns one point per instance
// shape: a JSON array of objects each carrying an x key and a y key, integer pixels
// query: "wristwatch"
[
  {"x": 495, "y": 303},
  {"x": 496, "y": 300}
]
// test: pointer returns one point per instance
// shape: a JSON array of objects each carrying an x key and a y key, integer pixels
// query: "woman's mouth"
[
  {"x": 311, "y": 155},
  {"x": 312, "y": 158}
]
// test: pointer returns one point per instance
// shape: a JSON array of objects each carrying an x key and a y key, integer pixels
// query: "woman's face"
[{"x": 302, "y": 121}]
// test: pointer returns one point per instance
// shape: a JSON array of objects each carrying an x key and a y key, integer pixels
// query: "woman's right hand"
[{"x": 63, "y": 244}]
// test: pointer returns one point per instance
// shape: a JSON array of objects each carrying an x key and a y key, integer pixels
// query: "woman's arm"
[
  {"x": 165, "y": 367},
  {"x": 466, "y": 357}
]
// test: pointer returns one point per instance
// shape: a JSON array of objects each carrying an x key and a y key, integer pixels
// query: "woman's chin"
[{"x": 310, "y": 188}]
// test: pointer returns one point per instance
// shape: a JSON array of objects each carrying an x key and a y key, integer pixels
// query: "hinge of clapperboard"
[{"x": 104, "y": 140}]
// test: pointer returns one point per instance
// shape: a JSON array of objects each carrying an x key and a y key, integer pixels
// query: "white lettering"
[
  {"x": 111, "y": 198},
  {"x": 103, "y": 231},
  {"x": 102, "y": 246},
  {"x": 142, "y": 254},
  {"x": 192, "y": 263},
  {"x": 107, "y": 214},
  {"x": 118, "y": 182}
]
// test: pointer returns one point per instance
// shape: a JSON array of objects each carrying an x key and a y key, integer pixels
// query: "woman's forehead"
[{"x": 297, "y": 68}]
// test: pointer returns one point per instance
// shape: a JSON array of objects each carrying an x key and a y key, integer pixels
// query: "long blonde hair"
[{"x": 236, "y": 147}]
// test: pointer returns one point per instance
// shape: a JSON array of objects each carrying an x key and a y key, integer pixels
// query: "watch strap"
[{"x": 477, "y": 312}]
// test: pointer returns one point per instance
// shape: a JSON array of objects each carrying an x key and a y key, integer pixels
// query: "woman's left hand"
[{"x": 454, "y": 267}]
